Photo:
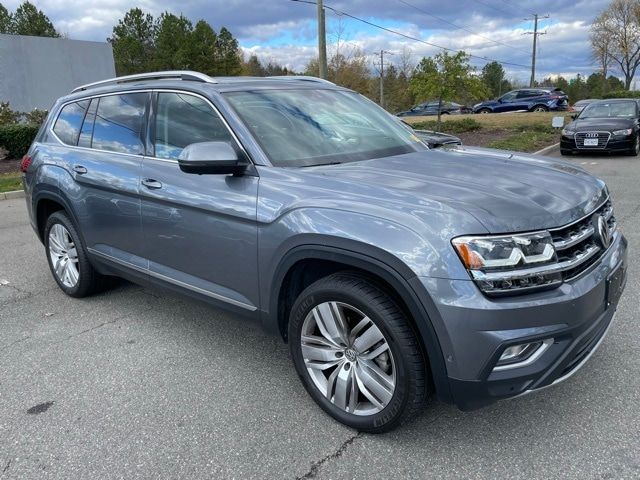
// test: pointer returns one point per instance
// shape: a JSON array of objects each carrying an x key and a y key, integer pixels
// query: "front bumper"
[
  {"x": 474, "y": 330},
  {"x": 615, "y": 144}
]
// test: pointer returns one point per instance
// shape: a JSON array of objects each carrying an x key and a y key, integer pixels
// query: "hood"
[
  {"x": 487, "y": 103},
  {"x": 504, "y": 191},
  {"x": 607, "y": 124}
]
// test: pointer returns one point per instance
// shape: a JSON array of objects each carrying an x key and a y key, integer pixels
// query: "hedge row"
[
  {"x": 450, "y": 126},
  {"x": 17, "y": 138},
  {"x": 622, "y": 94}
]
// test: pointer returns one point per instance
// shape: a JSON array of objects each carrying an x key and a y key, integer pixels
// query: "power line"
[
  {"x": 508, "y": 3},
  {"x": 461, "y": 27},
  {"x": 409, "y": 37}
]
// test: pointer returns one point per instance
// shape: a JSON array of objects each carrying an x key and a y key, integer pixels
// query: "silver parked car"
[{"x": 393, "y": 271}]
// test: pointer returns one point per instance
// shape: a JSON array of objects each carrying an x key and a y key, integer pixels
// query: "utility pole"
[
  {"x": 382, "y": 52},
  {"x": 322, "y": 42},
  {"x": 535, "y": 34}
]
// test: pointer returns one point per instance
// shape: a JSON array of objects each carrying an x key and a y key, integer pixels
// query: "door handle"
[
  {"x": 79, "y": 169},
  {"x": 151, "y": 183}
]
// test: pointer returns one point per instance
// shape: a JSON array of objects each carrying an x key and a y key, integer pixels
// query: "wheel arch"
[
  {"x": 305, "y": 264},
  {"x": 46, "y": 202}
]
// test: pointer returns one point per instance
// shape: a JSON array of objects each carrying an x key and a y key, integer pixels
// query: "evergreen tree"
[
  {"x": 203, "y": 48},
  {"x": 28, "y": 20},
  {"x": 133, "y": 42}
]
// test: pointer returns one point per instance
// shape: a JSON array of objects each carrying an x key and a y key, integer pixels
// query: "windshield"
[
  {"x": 298, "y": 128},
  {"x": 609, "y": 109}
]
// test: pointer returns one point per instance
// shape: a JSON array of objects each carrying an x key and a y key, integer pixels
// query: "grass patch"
[
  {"x": 457, "y": 125},
  {"x": 518, "y": 131},
  {"x": 10, "y": 182},
  {"x": 525, "y": 141}
]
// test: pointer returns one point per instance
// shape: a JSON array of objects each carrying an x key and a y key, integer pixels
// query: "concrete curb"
[
  {"x": 547, "y": 150},
  {"x": 11, "y": 195}
]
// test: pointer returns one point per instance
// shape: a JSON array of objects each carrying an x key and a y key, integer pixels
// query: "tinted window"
[
  {"x": 67, "y": 125},
  {"x": 87, "y": 126},
  {"x": 119, "y": 123},
  {"x": 183, "y": 119}
]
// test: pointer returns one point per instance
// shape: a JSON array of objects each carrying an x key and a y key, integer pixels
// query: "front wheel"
[
  {"x": 540, "y": 108},
  {"x": 484, "y": 110},
  {"x": 356, "y": 354},
  {"x": 635, "y": 150}
]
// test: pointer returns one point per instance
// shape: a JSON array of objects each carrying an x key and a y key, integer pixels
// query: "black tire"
[
  {"x": 540, "y": 108},
  {"x": 89, "y": 281},
  {"x": 485, "y": 110},
  {"x": 635, "y": 150},
  {"x": 410, "y": 391},
  {"x": 565, "y": 152}
]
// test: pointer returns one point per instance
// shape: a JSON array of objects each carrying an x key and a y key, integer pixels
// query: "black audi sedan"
[{"x": 604, "y": 125}]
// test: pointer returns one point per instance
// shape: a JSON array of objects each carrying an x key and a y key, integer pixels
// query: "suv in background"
[
  {"x": 393, "y": 271},
  {"x": 526, "y": 99}
]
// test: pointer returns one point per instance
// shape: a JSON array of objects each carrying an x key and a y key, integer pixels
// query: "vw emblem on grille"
[
  {"x": 591, "y": 134},
  {"x": 602, "y": 231}
]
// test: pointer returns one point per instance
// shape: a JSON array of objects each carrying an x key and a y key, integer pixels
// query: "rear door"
[
  {"x": 200, "y": 231},
  {"x": 104, "y": 162}
]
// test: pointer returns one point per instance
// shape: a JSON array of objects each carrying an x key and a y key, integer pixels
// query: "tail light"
[{"x": 25, "y": 163}]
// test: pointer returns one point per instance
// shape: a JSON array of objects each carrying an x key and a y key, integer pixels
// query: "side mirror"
[{"x": 211, "y": 157}]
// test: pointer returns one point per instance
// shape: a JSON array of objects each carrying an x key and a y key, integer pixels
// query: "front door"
[{"x": 200, "y": 231}]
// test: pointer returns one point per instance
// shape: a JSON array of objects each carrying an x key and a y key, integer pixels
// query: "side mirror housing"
[{"x": 218, "y": 158}]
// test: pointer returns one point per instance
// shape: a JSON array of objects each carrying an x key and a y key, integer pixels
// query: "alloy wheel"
[
  {"x": 348, "y": 358},
  {"x": 63, "y": 255}
]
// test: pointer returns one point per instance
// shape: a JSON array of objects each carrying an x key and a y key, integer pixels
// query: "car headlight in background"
[
  {"x": 507, "y": 264},
  {"x": 625, "y": 132}
]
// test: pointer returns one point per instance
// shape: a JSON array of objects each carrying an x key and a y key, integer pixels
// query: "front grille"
[
  {"x": 577, "y": 245},
  {"x": 603, "y": 139}
]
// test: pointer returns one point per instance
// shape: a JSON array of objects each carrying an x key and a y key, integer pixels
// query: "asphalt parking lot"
[{"x": 135, "y": 383}]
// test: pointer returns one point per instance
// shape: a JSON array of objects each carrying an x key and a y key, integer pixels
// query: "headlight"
[
  {"x": 626, "y": 132},
  {"x": 506, "y": 264},
  {"x": 567, "y": 133}
]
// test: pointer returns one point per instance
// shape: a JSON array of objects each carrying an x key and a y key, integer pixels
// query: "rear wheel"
[
  {"x": 68, "y": 259},
  {"x": 356, "y": 354},
  {"x": 540, "y": 108}
]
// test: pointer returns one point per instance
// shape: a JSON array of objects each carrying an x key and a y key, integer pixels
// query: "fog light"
[{"x": 522, "y": 354}]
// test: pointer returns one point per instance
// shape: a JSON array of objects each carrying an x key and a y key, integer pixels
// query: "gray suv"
[{"x": 394, "y": 272}]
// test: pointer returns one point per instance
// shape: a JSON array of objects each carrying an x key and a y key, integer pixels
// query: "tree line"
[{"x": 142, "y": 43}]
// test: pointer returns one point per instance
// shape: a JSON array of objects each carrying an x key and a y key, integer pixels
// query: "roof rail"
[
  {"x": 304, "y": 78},
  {"x": 176, "y": 74}
]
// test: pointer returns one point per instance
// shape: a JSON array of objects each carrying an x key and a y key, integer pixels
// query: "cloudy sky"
[{"x": 285, "y": 31}]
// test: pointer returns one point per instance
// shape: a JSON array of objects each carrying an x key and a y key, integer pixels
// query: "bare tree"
[{"x": 615, "y": 38}]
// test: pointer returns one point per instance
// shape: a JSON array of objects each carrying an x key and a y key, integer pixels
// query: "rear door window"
[
  {"x": 183, "y": 119},
  {"x": 67, "y": 126},
  {"x": 119, "y": 123}
]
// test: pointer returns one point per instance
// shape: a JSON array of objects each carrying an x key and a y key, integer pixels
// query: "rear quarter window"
[{"x": 67, "y": 126}]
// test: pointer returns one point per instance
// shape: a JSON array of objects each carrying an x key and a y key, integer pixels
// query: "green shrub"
[
  {"x": 450, "y": 126},
  {"x": 17, "y": 138},
  {"x": 8, "y": 116},
  {"x": 622, "y": 94},
  {"x": 36, "y": 117}
]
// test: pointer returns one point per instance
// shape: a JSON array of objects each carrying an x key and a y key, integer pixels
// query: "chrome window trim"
[
  {"x": 174, "y": 281},
  {"x": 146, "y": 90}
]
